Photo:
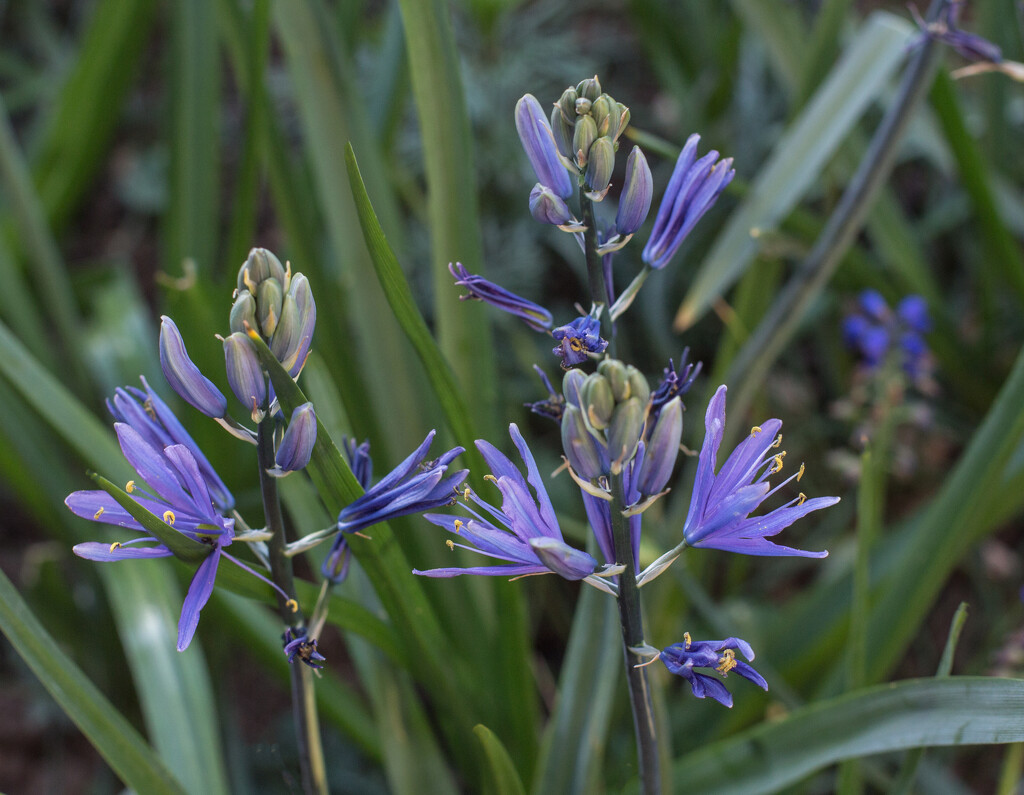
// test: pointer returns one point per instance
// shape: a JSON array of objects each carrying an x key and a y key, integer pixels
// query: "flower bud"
[
  {"x": 259, "y": 266},
  {"x": 637, "y": 190},
  {"x": 618, "y": 126},
  {"x": 601, "y": 110},
  {"x": 294, "y": 333},
  {"x": 243, "y": 311},
  {"x": 567, "y": 106},
  {"x": 572, "y": 382},
  {"x": 597, "y": 400},
  {"x": 589, "y": 88},
  {"x": 562, "y": 130},
  {"x": 296, "y": 447},
  {"x": 618, "y": 378},
  {"x": 583, "y": 106},
  {"x": 638, "y": 386},
  {"x": 269, "y": 298},
  {"x": 184, "y": 377},
  {"x": 586, "y": 455},
  {"x": 563, "y": 559},
  {"x": 245, "y": 374},
  {"x": 548, "y": 208},
  {"x": 600, "y": 165},
  {"x": 582, "y": 138},
  {"x": 541, "y": 149},
  {"x": 662, "y": 449},
  {"x": 624, "y": 431}
]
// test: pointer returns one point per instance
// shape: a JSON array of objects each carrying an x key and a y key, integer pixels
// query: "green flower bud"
[
  {"x": 294, "y": 333},
  {"x": 583, "y": 106},
  {"x": 638, "y": 386},
  {"x": 623, "y": 122},
  {"x": 589, "y": 88},
  {"x": 584, "y": 135},
  {"x": 601, "y": 111},
  {"x": 562, "y": 130},
  {"x": 259, "y": 266},
  {"x": 567, "y": 106},
  {"x": 269, "y": 299},
  {"x": 597, "y": 399},
  {"x": 618, "y": 378},
  {"x": 600, "y": 165},
  {"x": 243, "y": 311},
  {"x": 624, "y": 431}
]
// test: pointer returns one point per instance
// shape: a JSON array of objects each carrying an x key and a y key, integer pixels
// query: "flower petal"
[{"x": 198, "y": 595}]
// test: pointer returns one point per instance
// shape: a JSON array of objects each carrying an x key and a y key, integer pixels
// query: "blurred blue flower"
[
  {"x": 181, "y": 497},
  {"x": 536, "y": 317},
  {"x": 577, "y": 340},
  {"x": 720, "y": 505},
  {"x": 526, "y": 535},
  {"x": 874, "y": 331},
  {"x": 694, "y": 187},
  {"x": 682, "y": 658}
]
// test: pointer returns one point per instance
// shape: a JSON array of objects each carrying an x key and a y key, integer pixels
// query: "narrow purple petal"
[
  {"x": 198, "y": 594},
  {"x": 95, "y": 550},
  {"x": 150, "y": 465}
]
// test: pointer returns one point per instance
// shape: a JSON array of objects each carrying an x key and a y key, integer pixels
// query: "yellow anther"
[
  {"x": 98, "y": 513},
  {"x": 777, "y": 462},
  {"x": 726, "y": 662},
  {"x": 450, "y": 543},
  {"x": 129, "y": 486},
  {"x": 686, "y": 640},
  {"x": 800, "y": 474},
  {"x": 115, "y": 545},
  {"x": 169, "y": 517},
  {"x": 755, "y": 430},
  {"x": 292, "y": 605},
  {"x": 147, "y": 406},
  {"x": 800, "y": 500},
  {"x": 778, "y": 441},
  {"x": 491, "y": 478},
  {"x": 575, "y": 344},
  {"x": 465, "y": 494},
  {"x": 458, "y": 525}
]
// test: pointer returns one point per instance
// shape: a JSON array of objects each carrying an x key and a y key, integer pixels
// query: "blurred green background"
[{"x": 146, "y": 146}]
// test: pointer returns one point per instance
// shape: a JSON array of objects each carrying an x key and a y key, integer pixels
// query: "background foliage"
[{"x": 145, "y": 146}]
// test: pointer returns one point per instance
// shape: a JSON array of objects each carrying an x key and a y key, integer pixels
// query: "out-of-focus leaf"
[
  {"x": 796, "y": 162},
  {"x": 114, "y": 737},
  {"x": 910, "y": 714},
  {"x": 504, "y": 779}
]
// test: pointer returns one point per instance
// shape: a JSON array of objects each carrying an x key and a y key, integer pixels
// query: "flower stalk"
[{"x": 307, "y": 728}]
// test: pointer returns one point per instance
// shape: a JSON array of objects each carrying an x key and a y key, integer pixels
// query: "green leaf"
[
  {"x": 504, "y": 779},
  {"x": 797, "y": 161},
  {"x": 181, "y": 545},
  {"x": 910, "y": 714},
  {"x": 107, "y": 729}
]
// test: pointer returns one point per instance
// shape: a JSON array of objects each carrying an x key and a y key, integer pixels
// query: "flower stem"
[
  {"x": 307, "y": 728},
  {"x": 631, "y": 620},
  {"x": 595, "y": 271}
]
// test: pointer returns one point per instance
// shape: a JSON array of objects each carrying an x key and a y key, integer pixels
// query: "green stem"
[
  {"x": 307, "y": 729},
  {"x": 631, "y": 620},
  {"x": 595, "y": 271}
]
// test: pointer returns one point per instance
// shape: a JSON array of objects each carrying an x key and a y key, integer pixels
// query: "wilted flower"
[
  {"x": 692, "y": 190},
  {"x": 720, "y": 506},
  {"x": 298, "y": 644},
  {"x": 577, "y": 340},
  {"x": 536, "y": 317},
  {"x": 527, "y": 538},
  {"x": 674, "y": 383},
  {"x": 682, "y": 658}
]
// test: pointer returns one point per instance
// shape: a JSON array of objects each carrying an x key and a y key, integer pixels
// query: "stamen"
[
  {"x": 686, "y": 640},
  {"x": 98, "y": 513},
  {"x": 450, "y": 543},
  {"x": 129, "y": 486},
  {"x": 755, "y": 430},
  {"x": 169, "y": 517},
  {"x": 465, "y": 494},
  {"x": 777, "y": 441},
  {"x": 147, "y": 406},
  {"x": 777, "y": 462},
  {"x": 800, "y": 500},
  {"x": 115, "y": 545},
  {"x": 800, "y": 474},
  {"x": 458, "y": 525},
  {"x": 726, "y": 662},
  {"x": 491, "y": 478},
  {"x": 292, "y": 605},
  {"x": 575, "y": 344}
]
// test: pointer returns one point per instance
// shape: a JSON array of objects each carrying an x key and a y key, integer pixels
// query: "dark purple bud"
[
  {"x": 662, "y": 449},
  {"x": 296, "y": 447},
  {"x": 637, "y": 191},
  {"x": 245, "y": 374}
]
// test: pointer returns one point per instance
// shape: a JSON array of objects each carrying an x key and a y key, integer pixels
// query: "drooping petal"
[{"x": 198, "y": 595}]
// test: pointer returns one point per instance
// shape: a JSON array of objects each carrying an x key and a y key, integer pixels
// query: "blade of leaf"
[
  {"x": 107, "y": 729},
  {"x": 796, "y": 162},
  {"x": 892, "y": 717},
  {"x": 504, "y": 777}
]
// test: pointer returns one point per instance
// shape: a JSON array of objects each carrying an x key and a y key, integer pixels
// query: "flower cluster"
[{"x": 876, "y": 332}]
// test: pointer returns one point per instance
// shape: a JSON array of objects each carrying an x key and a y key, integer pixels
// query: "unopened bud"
[
  {"x": 184, "y": 377},
  {"x": 601, "y": 109},
  {"x": 583, "y": 106},
  {"x": 548, "y": 208},
  {"x": 618, "y": 378},
  {"x": 269, "y": 300},
  {"x": 637, "y": 190},
  {"x": 259, "y": 266},
  {"x": 600, "y": 165},
  {"x": 243, "y": 311},
  {"x": 625, "y": 429},
  {"x": 294, "y": 333},
  {"x": 245, "y": 374},
  {"x": 638, "y": 386},
  {"x": 662, "y": 448},
  {"x": 296, "y": 447},
  {"x": 567, "y": 105},
  {"x": 562, "y": 130},
  {"x": 572, "y": 382},
  {"x": 589, "y": 88},
  {"x": 586, "y": 455},
  {"x": 539, "y": 143},
  {"x": 597, "y": 400},
  {"x": 582, "y": 138}
]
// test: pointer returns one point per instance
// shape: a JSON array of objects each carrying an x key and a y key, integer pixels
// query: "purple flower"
[
  {"x": 674, "y": 384},
  {"x": 336, "y": 564},
  {"x": 539, "y": 142},
  {"x": 682, "y": 658},
  {"x": 720, "y": 506},
  {"x": 874, "y": 330},
  {"x": 180, "y": 494},
  {"x": 297, "y": 644},
  {"x": 524, "y": 533},
  {"x": 536, "y": 317},
  {"x": 695, "y": 186},
  {"x": 577, "y": 340}
]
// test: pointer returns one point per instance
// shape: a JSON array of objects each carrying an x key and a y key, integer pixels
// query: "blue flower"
[
  {"x": 873, "y": 330},
  {"x": 524, "y": 534},
  {"x": 539, "y": 142},
  {"x": 536, "y": 317},
  {"x": 180, "y": 494},
  {"x": 720, "y": 506},
  {"x": 577, "y": 340},
  {"x": 695, "y": 186},
  {"x": 682, "y": 658},
  {"x": 674, "y": 384}
]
